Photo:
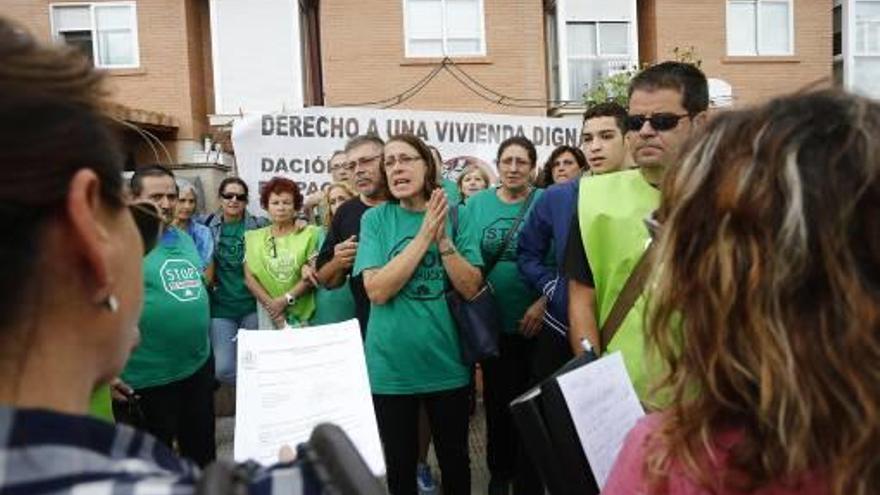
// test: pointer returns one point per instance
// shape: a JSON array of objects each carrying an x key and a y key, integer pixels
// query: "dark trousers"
[
  {"x": 505, "y": 378},
  {"x": 551, "y": 351},
  {"x": 398, "y": 419},
  {"x": 181, "y": 411}
]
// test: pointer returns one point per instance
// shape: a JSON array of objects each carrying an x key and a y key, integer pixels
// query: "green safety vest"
[
  {"x": 611, "y": 213},
  {"x": 278, "y": 274}
]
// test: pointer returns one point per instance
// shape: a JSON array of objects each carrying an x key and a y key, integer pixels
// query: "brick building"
[{"x": 184, "y": 69}]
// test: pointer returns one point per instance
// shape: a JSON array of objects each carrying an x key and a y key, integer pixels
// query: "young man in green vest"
[{"x": 608, "y": 235}]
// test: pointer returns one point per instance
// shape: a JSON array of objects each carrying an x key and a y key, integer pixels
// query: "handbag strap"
[
  {"x": 631, "y": 291},
  {"x": 519, "y": 218}
]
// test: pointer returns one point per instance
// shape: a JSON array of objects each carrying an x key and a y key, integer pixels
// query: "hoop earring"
[{"x": 111, "y": 303}]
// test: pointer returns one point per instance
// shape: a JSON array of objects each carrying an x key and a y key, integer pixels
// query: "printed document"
[
  {"x": 289, "y": 381},
  {"x": 604, "y": 407}
]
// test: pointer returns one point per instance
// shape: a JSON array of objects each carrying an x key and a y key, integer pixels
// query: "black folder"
[{"x": 549, "y": 435}]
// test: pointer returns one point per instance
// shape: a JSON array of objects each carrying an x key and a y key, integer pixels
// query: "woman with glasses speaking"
[
  {"x": 232, "y": 304},
  {"x": 408, "y": 259},
  {"x": 275, "y": 256}
]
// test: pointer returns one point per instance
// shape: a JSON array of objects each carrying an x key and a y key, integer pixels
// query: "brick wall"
[
  {"x": 171, "y": 75},
  {"x": 362, "y": 49},
  {"x": 702, "y": 24}
]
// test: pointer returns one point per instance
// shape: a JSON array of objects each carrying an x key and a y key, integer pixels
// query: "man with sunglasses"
[
  {"x": 608, "y": 234},
  {"x": 337, "y": 254},
  {"x": 171, "y": 371}
]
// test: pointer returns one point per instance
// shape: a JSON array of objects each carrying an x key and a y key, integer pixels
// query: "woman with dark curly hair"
[
  {"x": 275, "y": 256},
  {"x": 765, "y": 308},
  {"x": 565, "y": 163}
]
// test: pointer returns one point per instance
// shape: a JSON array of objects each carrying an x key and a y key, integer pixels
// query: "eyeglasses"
[
  {"x": 342, "y": 165},
  {"x": 149, "y": 223},
  {"x": 516, "y": 162},
  {"x": 272, "y": 246},
  {"x": 363, "y": 161},
  {"x": 405, "y": 160},
  {"x": 659, "y": 121},
  {"x": 234, "y": 197}
]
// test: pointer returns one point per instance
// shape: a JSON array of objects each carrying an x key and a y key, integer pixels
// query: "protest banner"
[{"x": 298, "y": 144}]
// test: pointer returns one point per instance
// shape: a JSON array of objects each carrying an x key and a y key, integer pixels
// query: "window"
[
  {"x": 105, "y": 32},
  {"x": 595, "y": 50},
  {"x": 437, "y": 28},
  {"x": 837, "y": 31},
  {"x": 867, "y": 28},
  {"x": 866, "y": 50},
  {"x": 759, "y": 27}
]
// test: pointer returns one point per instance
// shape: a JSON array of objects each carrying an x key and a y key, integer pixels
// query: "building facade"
[
  {"x": 857, "y": 46},
  {"x": 183, "y": 70}
]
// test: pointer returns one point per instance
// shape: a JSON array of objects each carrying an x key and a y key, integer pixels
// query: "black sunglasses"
[
  {"x": 659, "y": 121},
  {"x": 231, "y": 196},
  {"x": 149, "y": 223}
]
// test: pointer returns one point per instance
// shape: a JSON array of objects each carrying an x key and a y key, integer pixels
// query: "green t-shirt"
[
  {"x": 412, "y": 342},
  {"x": 231, "y": 298},
  {"x": 491, "y": 218},
  {"x": 276, "y": 263},
  {"x": 453, "y": 195},
  {"x": 332, "y": 305},
  {"x": 176, "y": 315}
]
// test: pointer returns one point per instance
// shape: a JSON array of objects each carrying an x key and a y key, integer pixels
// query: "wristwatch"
[{"x": 291, "y": 299}]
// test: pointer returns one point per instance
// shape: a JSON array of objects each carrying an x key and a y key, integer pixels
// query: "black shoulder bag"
[{"x": 479, "y": 318}]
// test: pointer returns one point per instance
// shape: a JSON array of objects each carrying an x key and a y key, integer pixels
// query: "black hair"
[
  {"x": 685, "y": 78},
  {"x": 152, "y": 170},
  {"x": 608, "y": 109},
  {"x": 547, "y": 173},
  {"x": 522, "y": 142},
  {"x": 232, "y": 180}
]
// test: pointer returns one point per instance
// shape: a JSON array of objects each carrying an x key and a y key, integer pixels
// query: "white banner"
[{"x": 297, "y": 145}]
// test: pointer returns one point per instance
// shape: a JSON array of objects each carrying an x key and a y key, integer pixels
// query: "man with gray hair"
[{"x": 337, "y": 255}]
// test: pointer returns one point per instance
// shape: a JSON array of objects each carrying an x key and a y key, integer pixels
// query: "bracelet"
[{"x": 449, "y": 251}]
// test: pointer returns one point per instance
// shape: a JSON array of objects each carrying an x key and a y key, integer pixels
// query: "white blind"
[
  {"x": 775, "y": 35},
  {"x": 115, "y": 34},
  {"x": 72, "y": 18},
  {"x": 742, "y": 35},
  {"x": 443, "y": 27},
  {"x": 614, "y": 38}
]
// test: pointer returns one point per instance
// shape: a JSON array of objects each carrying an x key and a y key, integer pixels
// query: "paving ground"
[{"x": 479, "y": 472}]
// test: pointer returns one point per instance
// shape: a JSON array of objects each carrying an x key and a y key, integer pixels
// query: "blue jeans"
[{"x": 223, "y": 332}]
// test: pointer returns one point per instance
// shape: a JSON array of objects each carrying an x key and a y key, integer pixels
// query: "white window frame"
[
  {"x": 600, "y": 56},
  {"x": 860, "y": 51},
  {"x": 758, "y": 52},
  {"x": 91, "y": 5},
  {"x": 406, "y": 37}
]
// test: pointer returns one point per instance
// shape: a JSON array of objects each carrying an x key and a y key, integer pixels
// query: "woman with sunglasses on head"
[
  {"x": 275, "y": 256},
  {"x": 497, "y": 216},
  {"x": 73, "y": 287},
  {"x": 764, "y": 308},
  {"x": 408, "y": 261},
  {"x": 331, "y": 305},
  {"x": 232, "y": 304}
]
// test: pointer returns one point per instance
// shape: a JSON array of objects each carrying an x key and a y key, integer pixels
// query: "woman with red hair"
[{"x": 275, "y": 255}]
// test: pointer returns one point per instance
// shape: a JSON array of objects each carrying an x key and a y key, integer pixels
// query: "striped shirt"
[{"x": 44, "y": 452}]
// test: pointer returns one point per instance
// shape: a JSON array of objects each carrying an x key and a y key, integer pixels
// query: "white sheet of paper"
[
  {"x": 604, "y": 407},
  {"x": 289, "y": 381}
]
